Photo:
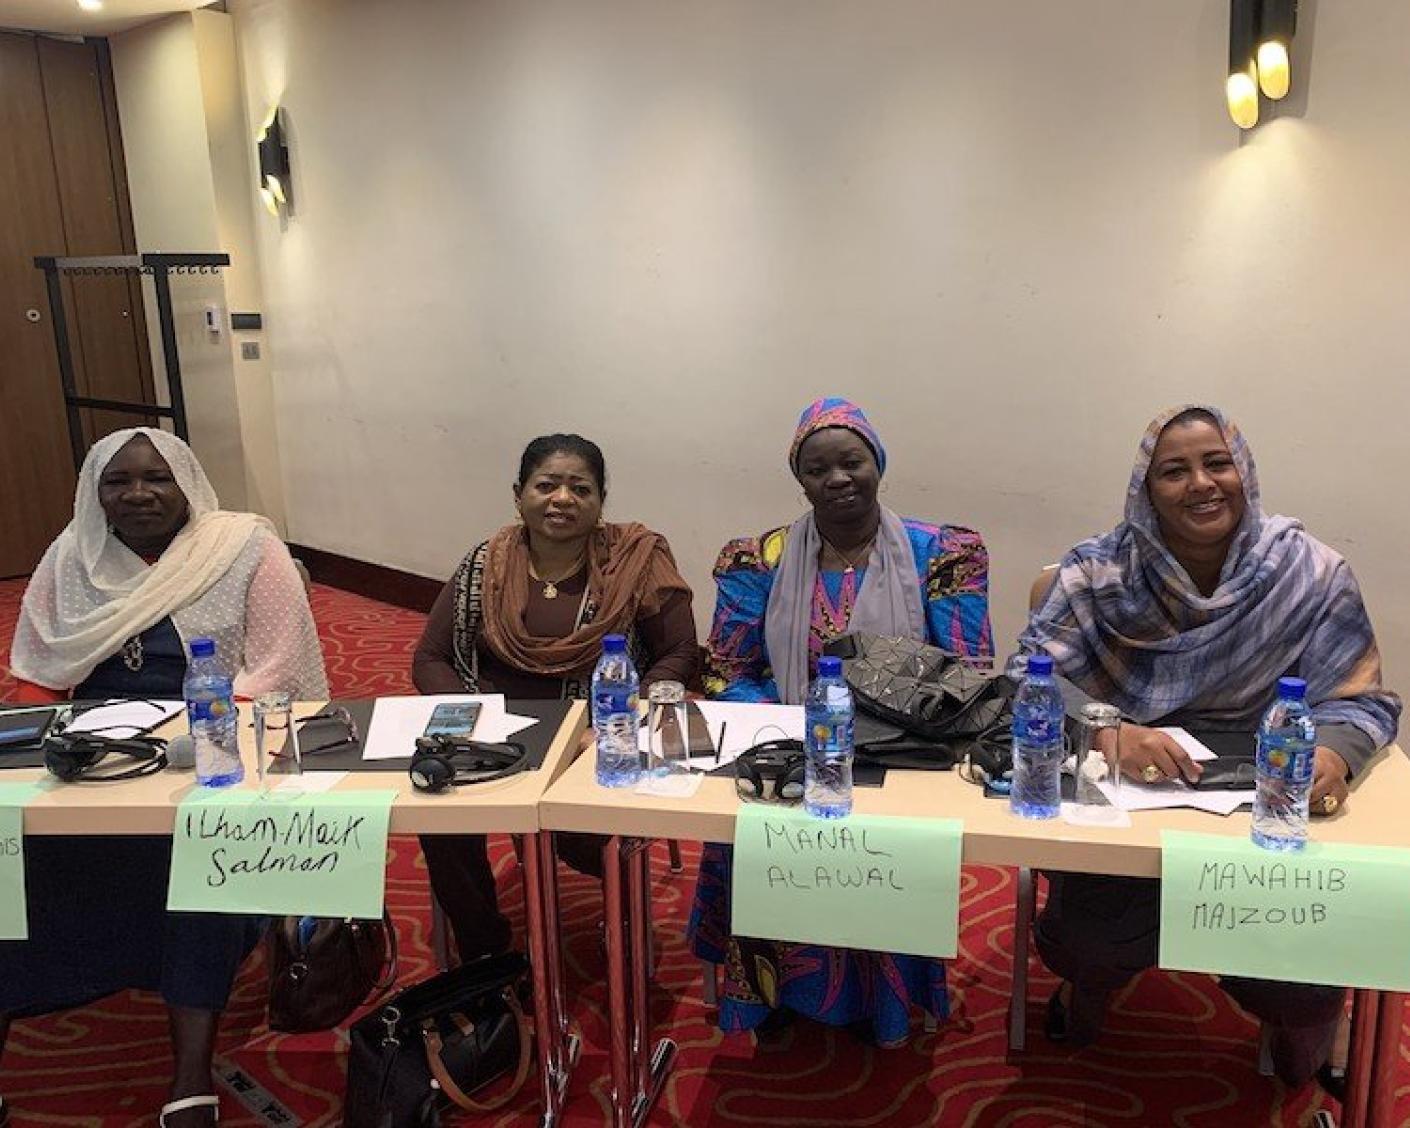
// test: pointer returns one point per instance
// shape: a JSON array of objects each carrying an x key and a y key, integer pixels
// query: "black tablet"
[{"x": 23, "y": 730}]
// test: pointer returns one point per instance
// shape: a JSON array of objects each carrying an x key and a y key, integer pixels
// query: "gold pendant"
[{"x": 550, "y": 590}]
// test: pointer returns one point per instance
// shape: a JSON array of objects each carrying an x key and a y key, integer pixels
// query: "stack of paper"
[
  {"x": 124, "y": 719},
  {"x": 398, "y": 721},
  {"x": 1137, "y": 796}
]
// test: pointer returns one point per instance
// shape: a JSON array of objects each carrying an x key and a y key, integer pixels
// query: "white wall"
[
  {"x": 185, "y": 142},
  {"x": 230, "y": 141},
  {"x": 1012, "y": 231}
]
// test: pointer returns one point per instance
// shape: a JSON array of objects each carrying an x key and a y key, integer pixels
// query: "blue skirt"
[
  {"x": 98, "y": 924},
  {"x": 836, "y": 986}
]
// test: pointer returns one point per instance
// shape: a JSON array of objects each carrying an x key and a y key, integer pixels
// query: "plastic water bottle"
[
  {"x": 1287, "y": 744},
  {"x": 215, "y": 723},
  {"x": 615, "y": 687},
  {"x": 1036, "y": 791},
  {"x": 827, "y": 743}
]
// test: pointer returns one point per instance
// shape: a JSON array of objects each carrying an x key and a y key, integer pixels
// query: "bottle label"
[
  {"x": 213, "y": 709},
  {"x": 608, "y": 702},
  {"x": 1288, "y": 761},
  {"x": 1037, "y": 727}
]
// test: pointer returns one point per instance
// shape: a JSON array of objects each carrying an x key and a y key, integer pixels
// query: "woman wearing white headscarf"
[{"x": 148, "y": 563}]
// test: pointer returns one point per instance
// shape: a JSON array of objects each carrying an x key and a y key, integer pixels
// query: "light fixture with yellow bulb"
[
  {"x": 91, "y": 5},
  {"x": 275, "y": 186},
  {"x": 1277, "y": 23},
  {"x": 1241, "y": 86}
]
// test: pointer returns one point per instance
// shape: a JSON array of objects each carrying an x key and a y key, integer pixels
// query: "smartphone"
[{"x": 453, "y": 719}]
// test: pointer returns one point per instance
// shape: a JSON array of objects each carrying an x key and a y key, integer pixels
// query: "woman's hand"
[
  {"x": 1152, "y": 757},
  {"x": 1329, "y": 789}
]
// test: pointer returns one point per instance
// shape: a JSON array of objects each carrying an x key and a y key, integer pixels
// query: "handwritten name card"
[
  {"x": 867, "y": 881},
  {"x": 1330, "y": 913},
  {"x": 14, "y": 914},
  {"x": 284, "y": 853}
]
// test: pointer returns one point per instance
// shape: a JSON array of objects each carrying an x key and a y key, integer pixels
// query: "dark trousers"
[
  {"x": 463, "y": 883},
  {"x": 1098, "y": 932}
]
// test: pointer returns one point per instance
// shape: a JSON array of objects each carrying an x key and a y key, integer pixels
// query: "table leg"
[
  {"x": 1385, "y": 1059},
  {"x": 569, "y": 1043},
  {"x": 650, "y": 1066},
  {"x": 619, "y": 1016},
  {"x": 543, "y": 945},
  {"x": 1024, "y": 900},
  {"x": 1361, "y": 1060}
]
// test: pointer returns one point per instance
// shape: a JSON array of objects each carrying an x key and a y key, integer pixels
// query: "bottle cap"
[
  {"x": 202, "y": 648},
  {"x": 614, "y": 644},
  {"x": 1295, "y": 688},
  {"x": 1040, "y": 665},
  {"x": 829, "y": 667}
]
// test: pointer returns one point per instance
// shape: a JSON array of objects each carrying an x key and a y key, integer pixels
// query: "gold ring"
[
  {"x": 1152, "y": 774},
  {"x": 1329, "y": 804}
]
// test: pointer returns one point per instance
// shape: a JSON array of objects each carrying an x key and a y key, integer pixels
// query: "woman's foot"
[
  {"x": 188, "y": 1112},
  {"x": 1075, "y": 1016},
  {"x": 1300, "y": 1053}
]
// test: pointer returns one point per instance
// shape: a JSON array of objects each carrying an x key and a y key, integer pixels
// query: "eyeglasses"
[{"x": 333, "y": 724}]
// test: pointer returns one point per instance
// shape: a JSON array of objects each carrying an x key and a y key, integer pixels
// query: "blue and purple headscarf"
[
  {"x": 1125, "y": 622},
  {"x": 834, "y": 411}
]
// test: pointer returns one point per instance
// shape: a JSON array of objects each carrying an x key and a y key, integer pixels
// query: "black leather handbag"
[
  {"x": 939, "y": 709},
  {"x": 436, "y": 1044}
]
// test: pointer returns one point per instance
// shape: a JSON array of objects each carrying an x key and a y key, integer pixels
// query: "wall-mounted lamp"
[
  {"x": 1275, "y": 33},
  {"x": 1260, "y": 39},
  {"x": 275, "y": 187}
]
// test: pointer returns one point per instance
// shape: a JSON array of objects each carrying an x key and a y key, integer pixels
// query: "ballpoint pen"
[{"x": 720, "y": 744}]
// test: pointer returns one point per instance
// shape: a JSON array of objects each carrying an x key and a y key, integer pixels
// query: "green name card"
[
  {"x": 281, "y": 853},
  {"x": 875, "y": 882},
  {"x": 14, "y": 914},
  {"x": 1330, "y": 913}
]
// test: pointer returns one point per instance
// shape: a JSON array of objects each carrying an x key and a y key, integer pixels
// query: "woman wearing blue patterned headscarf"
[{"x": 1187, "y": 614}]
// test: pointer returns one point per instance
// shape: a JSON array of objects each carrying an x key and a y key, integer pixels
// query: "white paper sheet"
[
  {"x": 745, "y": 725},
  {"x": 1159, "y": 796},
  {"x": 1195, "y": 749},
  {"x": 398, "y": 721},
  {"x": 123, "y": 719},
  {"x": 1078, "y": 815},
  {"x": 672, "y": 785},
  {"x": 310, "y": 783}
]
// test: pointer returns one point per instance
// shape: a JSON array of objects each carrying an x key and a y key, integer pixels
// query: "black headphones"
[
  {"x": 771, "y": 772},
  {"x": 441, "y": 762},
  {"x": 73, "y": 757}
]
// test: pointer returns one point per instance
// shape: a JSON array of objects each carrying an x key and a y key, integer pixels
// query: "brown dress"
[{"x": 458, "y": 864}]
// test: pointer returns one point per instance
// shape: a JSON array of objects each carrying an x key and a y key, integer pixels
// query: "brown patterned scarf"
[{"x": 630, "y": 574}]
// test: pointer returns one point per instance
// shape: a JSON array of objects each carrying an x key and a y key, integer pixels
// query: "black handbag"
[
  {"x": 434, "y": 1045},
  {"x": 321, "y": 969},
  {"x": 939, "y": 710}
]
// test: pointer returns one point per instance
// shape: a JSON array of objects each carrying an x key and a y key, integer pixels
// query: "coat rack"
[{"x": 161, "y": 267}]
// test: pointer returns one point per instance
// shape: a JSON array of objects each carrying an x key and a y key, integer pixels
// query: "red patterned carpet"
[{"x": 1176, "y": 1051}]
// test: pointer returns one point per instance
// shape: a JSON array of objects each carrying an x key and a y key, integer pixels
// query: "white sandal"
[{"x": 207, "y": 1101}]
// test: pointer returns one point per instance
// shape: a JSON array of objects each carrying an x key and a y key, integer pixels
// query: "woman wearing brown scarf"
[{"x": 524, "y": 615}]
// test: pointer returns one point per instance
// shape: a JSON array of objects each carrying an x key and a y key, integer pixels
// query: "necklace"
[
  {"x": 852, "y": 565},
  {"x": 550, "y": 587}
]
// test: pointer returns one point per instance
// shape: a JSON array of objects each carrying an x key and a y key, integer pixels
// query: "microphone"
[{"x": 181, "y": 751}]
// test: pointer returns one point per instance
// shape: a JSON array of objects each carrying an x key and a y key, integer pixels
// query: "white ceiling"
[{"x": 67, "y": 18}]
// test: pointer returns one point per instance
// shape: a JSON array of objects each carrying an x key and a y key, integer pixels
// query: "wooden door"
[{"x": 66, "y": 194}]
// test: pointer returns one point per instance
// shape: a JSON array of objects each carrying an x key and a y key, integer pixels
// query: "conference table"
[
  {"x": 147, "y": 805},
  {"x": 630, "y": 822}
]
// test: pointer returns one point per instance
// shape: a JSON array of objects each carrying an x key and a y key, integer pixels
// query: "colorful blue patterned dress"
[{"x": 833, "y": 985}]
